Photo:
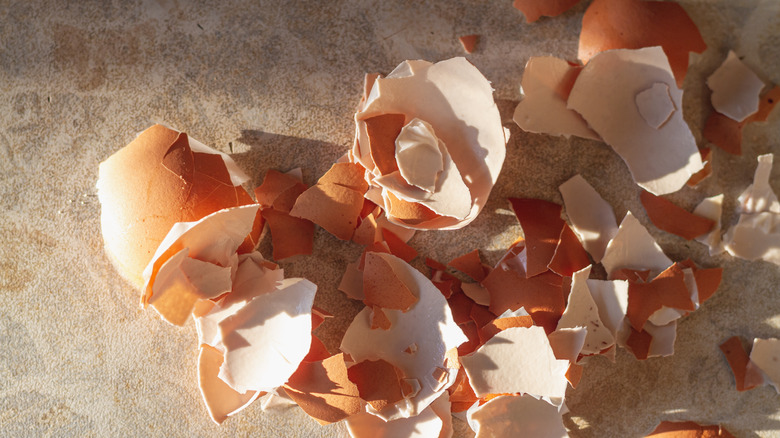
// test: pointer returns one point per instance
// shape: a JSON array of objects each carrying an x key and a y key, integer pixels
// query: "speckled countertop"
[{"x": 275, "y": 84}]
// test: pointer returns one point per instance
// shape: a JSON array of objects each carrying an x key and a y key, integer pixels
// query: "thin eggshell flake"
[
  {"x": 433, "y": 421},
  {"x": 582, "y": 311},
  {"x": 660, "y": 160},
  {"x": 220, "y": 399},
  {"x": 633, "y": 247},
  {"x": 735, "y": 89},
  {"x": 655, "y": 105},
  {"x": 766, "y": 356},
  {"x": 591, "y": 216},
  {"x": 428, "y": 324}
]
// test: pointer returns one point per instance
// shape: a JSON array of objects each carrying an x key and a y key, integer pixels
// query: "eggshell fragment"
[
  {"x": 533, "y": 9},
  {"x": 633, "y": 247},
  {"x": 759, "y": 197},
  {"x": 433, "y": 421},
  {"x": 469, "y": 42},
  {"x": 428, "y": 324},
  {"x": 726, "y": 132},
  {"x": 266, "y": 339},
  {"x": 667, "y": 289},
  {"x": 766, "y": 356},
  {"x": 634, "y": 24},
  {"x": 735, "y": 89},
  {"x": 611, "y": 298},
  {"x": 517, "y": 360},
  {"x": 471, "y": 265},
  {"x": 582, "y": 311},
  {"x": 738, "y": 360},
  {"x": 569, "y": 255},
  {"x": 323, "y": 390},
  {"x": 655, "y": 105},
  {"x": 688, "y": 429},
  {"x": 456, "y": 101},
  {"x": 220, "y": 399},
  {"x": 711, "y": 208},
  {"x": 382, "y": 287},
  {"x": 541, "y": 295},
  {"x": 546, "y": 84},
  {"x": 160, "y": 178},
  {"x": 335, "y": 202},
  {"x": 378, "y": 381},
  {"x": 591, "y": 216},
  {"x": 181, "y": 259},
  {"x": 517, "y": 415},
  {"x": 671, "y": 218},
  {"x": 542, "y": 224},
  {"x": 660, "y": 160}
]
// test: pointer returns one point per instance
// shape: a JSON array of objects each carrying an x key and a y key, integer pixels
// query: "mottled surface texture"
[{"x": 275, "y": 84}]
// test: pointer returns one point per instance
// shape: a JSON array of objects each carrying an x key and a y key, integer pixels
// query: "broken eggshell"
[{"x": 426, "y": 113}]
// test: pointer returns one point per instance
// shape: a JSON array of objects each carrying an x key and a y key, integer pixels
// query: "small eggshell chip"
[
  {"x": 469, "y": 42},
  {"x": 220, "y": 399},
  {"x": 660, "y": 160},
  {"x": 735, "y": 89},
  {"x": 533, "y": 9},
  {"x": 766, "y": 356},
  {"x": 428, "y": 324},
  {"x": 542, "y": 225},
  {"x": 633, "y": 247},
  {"x": 688, "y": 429},
  {"x": 669, "y": 217}
]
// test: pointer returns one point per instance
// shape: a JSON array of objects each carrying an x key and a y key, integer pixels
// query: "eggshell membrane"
[
  {"x": 671, "y": 218},
  {"x": 660, "y": 160},
  {"x": 735, "y": 89},
  {"x": 533, "y": 9},
  {"x": 726, "y": 133},
  {"x": 634, "y": 24},
  {"x": 455, "y": 98},
  {"x": 469, "y": 42},
  {"x": 323, "y": 390},
  {"x": 542, "y": 225},
  {"x": 143, "y": 193},
  {"x": 546, "y": 84},
  {"x": 220, "y": 399},
  {"x": 688, "y": 429}
]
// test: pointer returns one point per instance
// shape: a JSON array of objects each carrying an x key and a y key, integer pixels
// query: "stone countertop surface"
[{"x": 275, "y": 84}]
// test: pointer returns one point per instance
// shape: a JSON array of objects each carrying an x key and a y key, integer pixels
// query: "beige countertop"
[{"x": 276, "y": 84}]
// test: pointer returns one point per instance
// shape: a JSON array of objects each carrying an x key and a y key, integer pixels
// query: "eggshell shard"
[
  {"x": 667, "y": 289},
  {"x": 542, "y": 224},
  {"x": 220, "y": 399},
  {"x": 569, "y": 256},
  {"x": 469, "y": 42},
  {"x": 634, "y": 24},
  {"x": 546, "y": 84},
  {"x": 766, "y": 356},
  {"x": 433, "y": 421},
  {"x": 457, "y": 102},
  {"x": 688, "y": 429},
  {"x": 382, "y": 286},
  {"x": 335, "y": 202},
  {"x": 517, "y": 415},
  {"x": 591, "y": 216},
  {"x": 738, "y": 360},
  {"x": 633, "y": 247},
  {"x": 655, "y": 105},
  {"x": 160, "y": 178},
  {"x": 671, "y": 218},
  {"x": 266, "y": 339},
  {"x": 194, "y": 260},
  {"x": 533, "y": 9},
  {"x": 378, "y": 381},
  {"x": 323, "y": 390},
  {"x": 735, "y": 89},
  {"x": 582, "y": 311},
  {"x": 428, "y": 324},
  {"x": 757, "y": 233},
  {"x": 290, "y": 235},
  {"x": 726, "y": 132},
  {"x": 660, "y": 160},
  {"x": 711, "y": 208},
  {"x": 517, "y": 360}
]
